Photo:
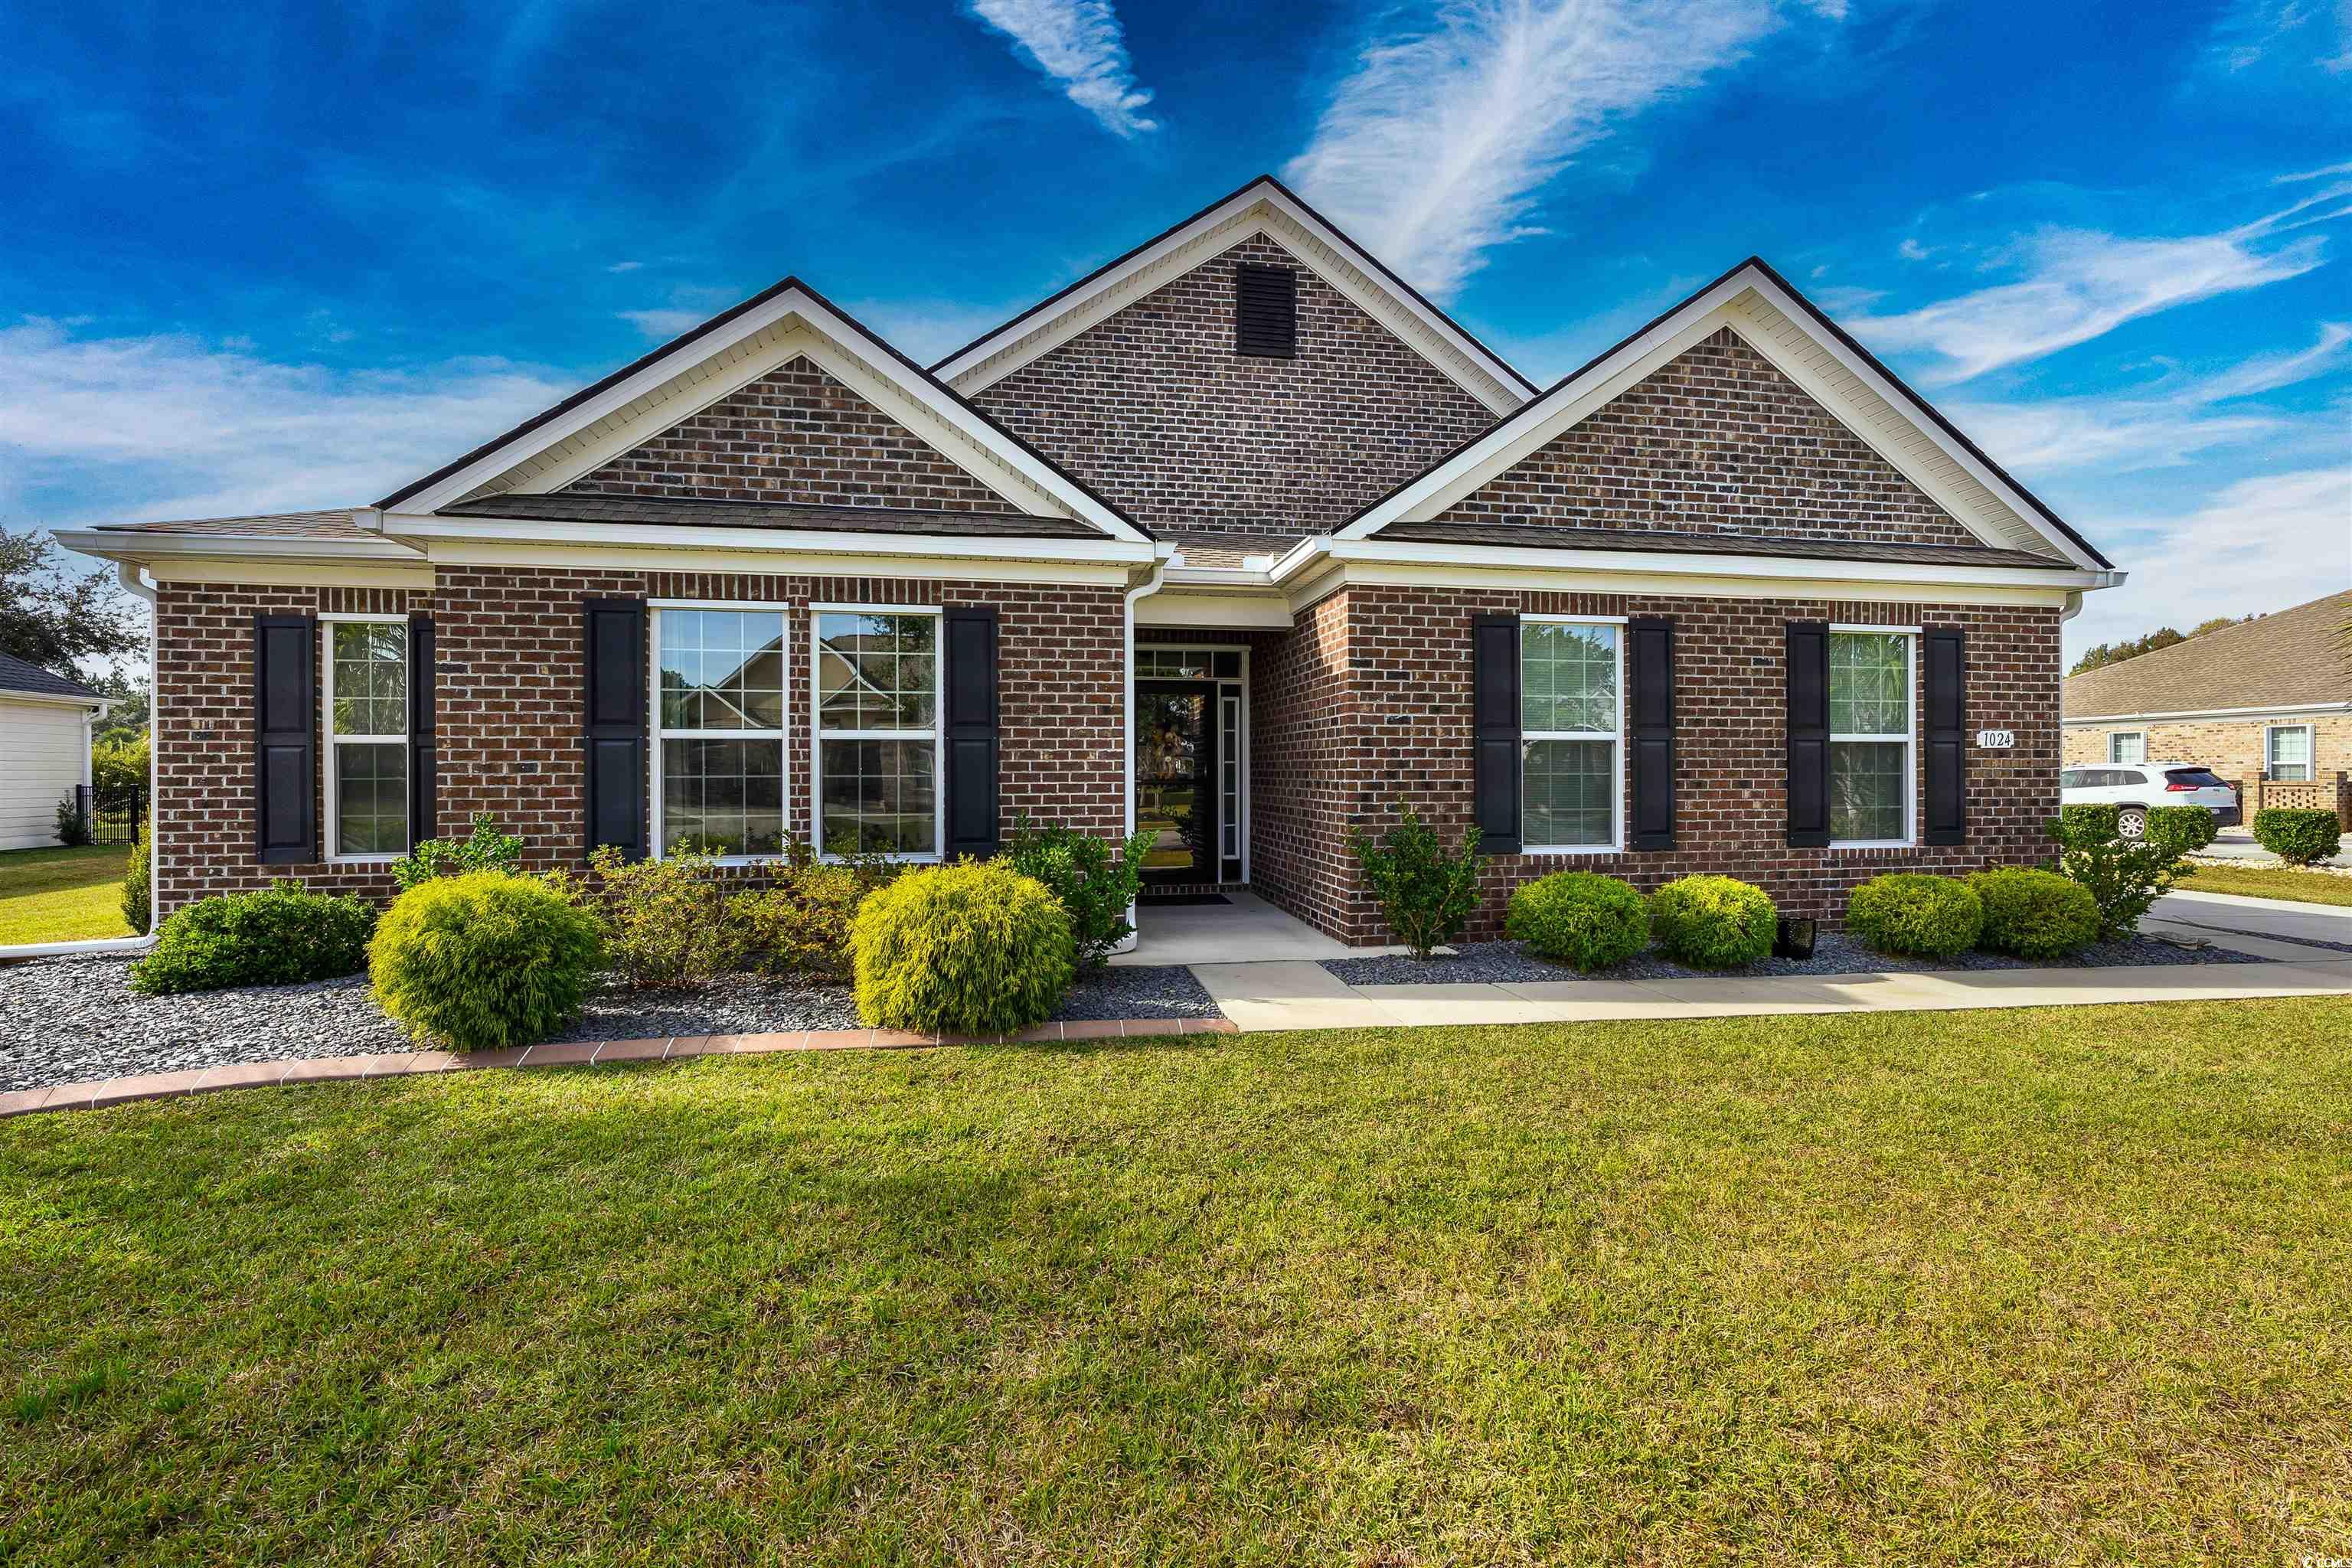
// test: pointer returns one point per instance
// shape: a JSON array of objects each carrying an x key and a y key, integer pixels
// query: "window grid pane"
[
  {"x": 1568, "y": 677},
  {"x": 2290, "y": 755},
  {"x": 1866, "y": 790},
  {"x": 879, "y": 796},
  {"x": 723, "y": 798},
  {"x": 371, "y": 799},
  {"x": 877, "y": 671},
  {"x": 370, "y": 677},
  {"x": 723, "y": 669},
  {"x": 2126, "y": 746},
  {"x": 1570, "y": 794},
  {"x": 1870, "y": 683}
]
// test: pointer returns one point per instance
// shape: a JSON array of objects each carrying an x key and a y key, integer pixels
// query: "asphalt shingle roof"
[
  {"x": 279, "y": 525},
  {"x": 20, "y": 675},
  {"x": 2292, "y": 658}
]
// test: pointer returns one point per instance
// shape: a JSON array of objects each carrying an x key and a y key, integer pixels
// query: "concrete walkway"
[{"x": 1245, "y": 930}]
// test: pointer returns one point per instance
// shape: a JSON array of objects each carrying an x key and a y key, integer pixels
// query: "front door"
[{"x": 1176, "y": 779}]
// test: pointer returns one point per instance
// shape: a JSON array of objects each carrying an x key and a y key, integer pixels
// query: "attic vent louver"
[{"x": 1266, "y": 311}]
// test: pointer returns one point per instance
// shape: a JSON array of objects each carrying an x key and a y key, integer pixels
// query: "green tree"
[
  {"x": 126, "y": 720},
  {"x": 55, "y": 615}
]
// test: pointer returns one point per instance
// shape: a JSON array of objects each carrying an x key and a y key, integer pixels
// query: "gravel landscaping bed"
[
  {"x": 1503, "y": 962},
  {"x": 71, "y": 1020}
]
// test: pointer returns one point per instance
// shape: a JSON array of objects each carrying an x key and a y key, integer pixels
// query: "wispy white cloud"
[
  {"x": 2157, "y": 427},
  {"x": 664, "y": 322},
  {"x": 1433, "y": 149},
  {"x": 175, "y": 427},
  {"x": 624, "y": 267},
  {"x": 2316, "y": 31},
  {"x": 1080, "y": 45},
  {"x": 2260, "y": 544},
  {"x": 2302, "y": 174},
  {"x": 923, "y": 329},
  {"x": 2082, "y": 283}
]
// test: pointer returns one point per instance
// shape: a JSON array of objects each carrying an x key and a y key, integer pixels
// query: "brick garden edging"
[{"x": 570, "y": 1052}]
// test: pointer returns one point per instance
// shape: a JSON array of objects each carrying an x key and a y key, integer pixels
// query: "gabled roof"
[
  {"x": 1778, "y": 321},
  {"x": 1264, "y": 205},
  {"x": 2293, "y": 658},
  {"x": 725, "y": 353},
  {"x": 23, "y": 675}
]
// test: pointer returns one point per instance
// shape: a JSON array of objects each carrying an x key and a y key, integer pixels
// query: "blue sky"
[{"x": 298, "y": 259}]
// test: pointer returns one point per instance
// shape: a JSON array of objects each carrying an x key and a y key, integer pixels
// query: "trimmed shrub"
[
  {"x": 279, "y": 936},
  {"x": 1096, "y": 887},
  {"x": 138, "y": 912},
  {"x": 2183, "y": 829},
  {"x": 1581, "y": 918},
  {"x": 2123, "y": 877},
  {"x": 2034, "y": 914},
  {"x": 1916, "y": 913},
  {"x": 970, "y": 948},
  {"x": 1426, "y": 894},
  {"x": 2296, "y": 834},
  {"x": 1713, "y": 922},
  {"x": 664, "y": 922},
  {"x": 484, "y": 850},
  {"x": 801, "y": 927},
  {"x": 484, "y": 959}
]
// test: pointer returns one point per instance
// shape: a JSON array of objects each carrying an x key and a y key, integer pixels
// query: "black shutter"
[
  {"x": 969, "y": 635},
  {"x": 1809, "y": 734},
  {"x": 1947, "y": 718},
  {"x": 1650, "y": 640},
  {"x": 1495, "y": 712},
  {"x": 612, "y": 654},
  {"x": 424, "y": 786},
  {"x": 1266, "y": 311},
  {"x": 286, "y": 739}
]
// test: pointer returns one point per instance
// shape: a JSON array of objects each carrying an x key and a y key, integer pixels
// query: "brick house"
[
  {"x": 1238, "y": 537},
  {"x": 2265, "y": 703}
]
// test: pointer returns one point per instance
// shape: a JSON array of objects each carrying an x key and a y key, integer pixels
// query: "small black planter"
[{"x": 1794, "y": 940}]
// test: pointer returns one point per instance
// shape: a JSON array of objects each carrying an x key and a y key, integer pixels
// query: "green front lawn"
[
  {"x": 61, "y": 895},
  {"x": 2071, "y": 1285},
  {"x": 2269, "y": 882}
]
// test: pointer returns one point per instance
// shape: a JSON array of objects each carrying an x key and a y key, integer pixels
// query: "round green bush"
[
  {"x": 970, "y": 948},
  {"x": 1713, "y": 922},
  {"x": 2183, "y": 829},
  {"x": 1912, "y": 912},
  {"x": 2296, "y": 834},
  {"x": 278, "y": 936},
  {"x": 1580, "y": 917},
  {"x": 2034, "y": 914},
  {"x": 484, "y": 959}
]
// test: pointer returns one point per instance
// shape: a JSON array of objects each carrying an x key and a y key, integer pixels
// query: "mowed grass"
[
  {"x": 2062, "y": 1286},
  {"x": 62, "y": 895},
  {"x": 2269, "y": 882}
]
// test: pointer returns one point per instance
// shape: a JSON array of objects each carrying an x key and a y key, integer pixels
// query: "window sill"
[
  {"x": 1572, "y": 849},
  {"x": 364, "y": 860},
  {"x": 1873, "y": 844}
]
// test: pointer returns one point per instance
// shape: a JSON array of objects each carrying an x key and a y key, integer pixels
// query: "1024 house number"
[{"x": 1996, "y": 740}]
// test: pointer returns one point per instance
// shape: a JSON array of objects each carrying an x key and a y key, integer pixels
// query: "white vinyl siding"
[{"x": 47, "y": 751}]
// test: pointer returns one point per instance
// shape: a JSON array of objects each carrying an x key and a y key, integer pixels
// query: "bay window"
[
  {"x": 1571, "y": 720},
  {"x": 366, "y": 703},
  {"x": 1871, "y": 736},
  {"x": 877, "y": 679},
  {"x": 718, "y": 731}
]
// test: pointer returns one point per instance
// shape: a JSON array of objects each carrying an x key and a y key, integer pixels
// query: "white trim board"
[
  {"x": 1781, "y": 329},
  {"x": 1260, "y": 207}
]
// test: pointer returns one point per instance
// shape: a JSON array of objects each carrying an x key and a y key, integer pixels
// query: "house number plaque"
[{"x": 1996, "y": 740}]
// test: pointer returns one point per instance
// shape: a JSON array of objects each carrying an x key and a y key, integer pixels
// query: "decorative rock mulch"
[
  {"x": 1506, "y": 963},
  {"x": 76, "y": 1020}
]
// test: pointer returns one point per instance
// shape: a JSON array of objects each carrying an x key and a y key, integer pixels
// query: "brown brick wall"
[
  {"x": 507, "y": 708},
  {"x": 2230, "y": 747},
  {"x": 795, "y": 434},
  {"x": 1152, "y": 406},
  {"x": 1715, "y": 441},
  {"x": 1391, "y": 707}
]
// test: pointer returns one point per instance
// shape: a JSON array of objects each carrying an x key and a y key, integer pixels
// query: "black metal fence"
[{"x": 111, "y": 818}]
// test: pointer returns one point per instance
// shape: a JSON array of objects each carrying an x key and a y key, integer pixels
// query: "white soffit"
[
  {"x": 1824, "y": 368},
  {"x": 1263, "y": 209}
]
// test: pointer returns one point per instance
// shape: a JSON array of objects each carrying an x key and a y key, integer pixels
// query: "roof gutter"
[{"x": 1762, "y": 568}]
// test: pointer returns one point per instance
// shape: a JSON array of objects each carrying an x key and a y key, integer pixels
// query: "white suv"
[{"x": 2136, "y": 787}]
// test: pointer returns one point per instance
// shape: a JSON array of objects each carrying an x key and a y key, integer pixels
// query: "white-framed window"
[
  {"x": 719, "y": 729},
  {"x": 874, "y": 742},
  {"x": 1571, "y": 723},
  {"x": 365, "y": 700},
  {"x": 2286, "y": 753},
  {"x": 1873, "y": 722},
  {"x": 2128, "y": 746}
]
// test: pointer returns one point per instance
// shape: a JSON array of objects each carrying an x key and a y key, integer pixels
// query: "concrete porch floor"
[{"x": 1246, "y": 931}]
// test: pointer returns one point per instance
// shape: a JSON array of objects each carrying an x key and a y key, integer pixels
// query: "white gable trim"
[
  {"x": 1262, "y": 208},
  {"x": 1781, "y": 329},
  {"x": 730, "y": 356}
]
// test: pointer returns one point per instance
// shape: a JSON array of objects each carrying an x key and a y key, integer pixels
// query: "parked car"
[{"x": 2138, "y": 786}]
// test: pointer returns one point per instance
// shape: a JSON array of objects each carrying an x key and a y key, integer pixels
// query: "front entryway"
[{"x": 1191, "y": 772}]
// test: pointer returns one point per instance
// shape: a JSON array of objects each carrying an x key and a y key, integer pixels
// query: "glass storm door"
[{"x": 1175, "y": 780}]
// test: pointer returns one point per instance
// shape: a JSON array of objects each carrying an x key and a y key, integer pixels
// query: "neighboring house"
[
  {"x": 1240, "y": 505},
  {"x": 2265, "y": 700},
  {"x": 45, "y": 722}
]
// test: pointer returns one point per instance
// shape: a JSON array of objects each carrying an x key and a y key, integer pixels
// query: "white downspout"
[{"x": 1164, "y": 555}]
